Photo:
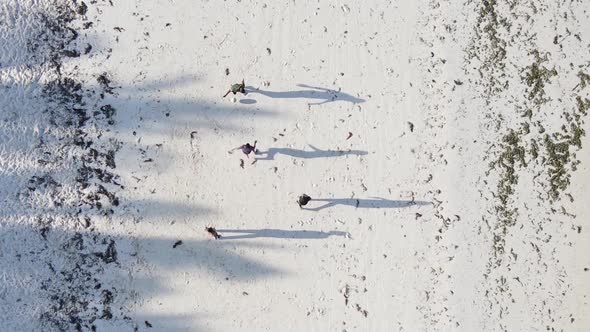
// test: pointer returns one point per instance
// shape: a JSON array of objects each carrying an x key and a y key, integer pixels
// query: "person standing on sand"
[
  {"x": 213, "y": 232},
  {"x": 235, "y": 88},
  {"x": 303, "y": 200},
  {"x": 246, "y": 149}
]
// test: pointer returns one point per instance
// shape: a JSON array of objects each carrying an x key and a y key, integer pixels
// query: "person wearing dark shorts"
[{"x": 303, "y": 200}]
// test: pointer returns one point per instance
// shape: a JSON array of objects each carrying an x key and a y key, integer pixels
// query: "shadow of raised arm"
[{"x": 317, "y": 88}]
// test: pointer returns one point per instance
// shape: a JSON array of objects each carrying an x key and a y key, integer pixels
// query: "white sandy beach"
[{"x": 443, "y": 143}]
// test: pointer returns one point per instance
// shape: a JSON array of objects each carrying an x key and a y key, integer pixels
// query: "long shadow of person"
[
  {"x": 276, "y": 233},
  {"x": 315, "y": 153},
  {"x": 326, "y": 95},
  {"x": 376, "y": 203}
]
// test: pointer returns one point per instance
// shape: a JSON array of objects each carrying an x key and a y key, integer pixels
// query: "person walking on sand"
[
  {"x": 235, "y": 88},
  {"x": 303, "y": 200},
  {"x": 246, "y": 149},
  {"x": 213, "y": 232}
]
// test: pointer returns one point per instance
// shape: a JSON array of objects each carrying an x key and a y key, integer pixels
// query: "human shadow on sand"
[
  {"x": 375, "y": 203},
  {"x": 325, "y": 95},
  {"x": 314, "y": 153},
  {"x": 276, "y": 233}
]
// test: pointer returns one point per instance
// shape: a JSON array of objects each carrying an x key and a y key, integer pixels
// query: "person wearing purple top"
[{"x": 246, "y": 149}]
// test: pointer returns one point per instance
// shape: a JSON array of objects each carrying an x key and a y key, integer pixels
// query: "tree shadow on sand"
[
  {"x": 315, "y": 153},
  {"x": 276, "y": 233},
  {"x": 64, "y": 264},
  {"x": 375, "y": 203},
  {"x": 326, "y": 95},
  {"x": 74, "y": 269}
]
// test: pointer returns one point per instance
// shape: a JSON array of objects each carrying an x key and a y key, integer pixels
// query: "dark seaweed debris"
[
  {"x": 82, "y": 9},
  {"x": 105, "y": 83},
  {"x": 71, "y": 307},
  {"x": 536, "y": 76},
  {"x": 108, "y": 112},
  {"x": 73, "y": 290},
  {"x": 109, "y": 255}
]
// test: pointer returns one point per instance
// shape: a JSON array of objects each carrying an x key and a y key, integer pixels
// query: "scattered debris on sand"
[
  {"x": 361, "y": 310},
  {"x": 105, "y": 83},
  {"x": 346, "y": 293}
]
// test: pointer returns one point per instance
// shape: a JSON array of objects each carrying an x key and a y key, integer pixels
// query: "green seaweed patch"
[
  {"x": 512, "y": 157},
  {"x": 536, "y": 76},
  {"x": 558, "y": 157},
  {"x": 559, "y": 147},
  {"x": 584, "y": 79},
  {"x": 534, "y": 151},
  {"x": 491, "y": 50},
  {"x": 583, "y": 105},
  {"x": 528, "y": 113},
  {"x": 525, "y": 127},
  {"x": 577, "y": 132}
]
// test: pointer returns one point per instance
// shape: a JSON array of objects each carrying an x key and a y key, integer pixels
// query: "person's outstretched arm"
[{"x": 234, "y": 149}]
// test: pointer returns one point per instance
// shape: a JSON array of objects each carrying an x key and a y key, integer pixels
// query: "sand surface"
[{"x": 443, "y": 143}]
